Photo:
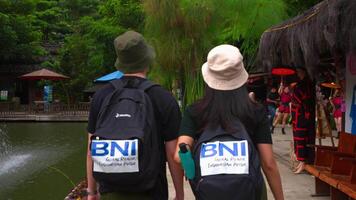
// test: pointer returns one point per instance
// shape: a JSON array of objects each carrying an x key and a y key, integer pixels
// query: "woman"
[
  {"x": 303, "y": 111},
  {"x": 337, "y": 102},
  {"x": 225, "y": 100},
  {"x": 272, "y": 102},
  {"x": 284, "y": 108}
]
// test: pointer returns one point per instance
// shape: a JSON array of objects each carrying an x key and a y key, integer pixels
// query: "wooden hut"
[
  {"x": 324, "y": 34},
  {"x": 323, "y": 40}
]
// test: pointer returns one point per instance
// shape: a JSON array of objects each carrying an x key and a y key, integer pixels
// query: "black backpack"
[
  {"x": 125, "y": 146},
  {"x": 227, "y": 166}
]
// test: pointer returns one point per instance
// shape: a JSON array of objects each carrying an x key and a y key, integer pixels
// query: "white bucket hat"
[{"x": 224, "y": 69}]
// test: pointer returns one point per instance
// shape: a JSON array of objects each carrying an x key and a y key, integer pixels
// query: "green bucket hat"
[{"x": 133, "y": 53}]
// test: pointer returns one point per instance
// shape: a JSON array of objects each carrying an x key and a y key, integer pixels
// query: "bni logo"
[
  {"x": 232, "y": 148},
  {"x": 114, "y": 147}
]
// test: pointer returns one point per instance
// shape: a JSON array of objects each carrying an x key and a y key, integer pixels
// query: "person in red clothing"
[
  {"x": 284, "y": 108},
  {"x": 336, "y": 102},
  {"x": 303, "y": 110}
]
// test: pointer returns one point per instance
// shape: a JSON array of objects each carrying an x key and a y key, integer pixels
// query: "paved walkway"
[{"x": 295, "y": 187}]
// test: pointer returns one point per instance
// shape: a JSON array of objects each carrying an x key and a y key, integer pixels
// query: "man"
[
  {"x": 272, "y": 102},
  {"x": 134, "y": 58}
]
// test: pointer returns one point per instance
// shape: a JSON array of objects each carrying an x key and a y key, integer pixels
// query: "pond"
[{"x": 41, "y": 160}]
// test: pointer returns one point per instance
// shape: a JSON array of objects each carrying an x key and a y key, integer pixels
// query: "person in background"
[
  {"x": 336, "y": 103},
  {"x": 303, "y": 108},
  {"x": 272, "y": 103},
  {"x": 284, "y": 108}
]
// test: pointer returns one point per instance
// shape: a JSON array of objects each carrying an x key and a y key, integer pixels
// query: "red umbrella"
[
  {"x": 282, "y": 71},
  {"x": 43, "y": 74}
]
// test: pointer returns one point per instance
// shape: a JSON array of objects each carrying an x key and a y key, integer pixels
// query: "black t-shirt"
[
  {"x": 168, "y": 118},
  {"x": 274, "y": 96},
  {"x": 261, "y": 133}
]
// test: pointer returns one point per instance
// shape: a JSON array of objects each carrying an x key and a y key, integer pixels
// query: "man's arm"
[
  {"x": 92, "y": 188},
  {"x": 175, "y": 169}
]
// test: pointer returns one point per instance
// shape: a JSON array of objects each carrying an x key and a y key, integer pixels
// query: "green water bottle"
[{"x": 187, "y": 161}]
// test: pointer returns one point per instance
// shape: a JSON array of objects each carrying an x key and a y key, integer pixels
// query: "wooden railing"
[{"x": 40, "y": 107}]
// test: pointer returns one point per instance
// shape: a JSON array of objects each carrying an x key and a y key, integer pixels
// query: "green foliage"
[
  {"x": 79, "y": 8},
  {"x": 87, "y": 55},
  {"x": 20, "y": 7},
  {"x": 52, "y": 21},
  {"x": 183, "y": 31},
  {"x": 125, "y": 13},
  {"x": 89, "y": 52},
  {"x": 79, "y": 63},
  {"x": 296, "y": 7},
  {"x": 19, "y": 39}
]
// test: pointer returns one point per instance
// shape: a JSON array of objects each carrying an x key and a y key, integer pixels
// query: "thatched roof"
[{"x": 321, "y": 33}]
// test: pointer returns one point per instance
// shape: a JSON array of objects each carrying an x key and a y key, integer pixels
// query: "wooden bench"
[
  {"x": 348, "y": 186},
  {"x": 334, "y": 169}
]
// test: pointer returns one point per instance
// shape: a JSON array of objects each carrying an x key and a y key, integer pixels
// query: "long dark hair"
[{"x": 221, "y": 108}]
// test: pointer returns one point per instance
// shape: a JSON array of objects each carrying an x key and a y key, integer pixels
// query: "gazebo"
[
  {"x": 42, "y": 74},
  {"x": 323, "y": 40}
]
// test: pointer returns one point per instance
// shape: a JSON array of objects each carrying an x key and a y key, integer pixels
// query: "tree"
[
  {"x": 89, "y": 51},
  {"x": 52, "y": 19},
  {"x": 124, "y": 13},
  {"x": 20, "y": 40},
  {"x": 183, "y": 31},
  {"x": 80, "y": 8},
  {"x": 295, "y": 7}
]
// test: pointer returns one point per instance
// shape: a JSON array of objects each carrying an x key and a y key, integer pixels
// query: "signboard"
[
  {"x": 48, "y": 93},
  {"x": 350, "y": 93},
  {"x": 3, "y": 95}
]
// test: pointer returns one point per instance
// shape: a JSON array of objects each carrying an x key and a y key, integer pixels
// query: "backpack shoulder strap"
[
  {"x": 240, "y": 132},
  {"x": 117, "y": 83},
  {"x": 146, "y": 85}
]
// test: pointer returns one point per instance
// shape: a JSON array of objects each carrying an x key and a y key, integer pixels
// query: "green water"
[{"x": 31, "y": 155}]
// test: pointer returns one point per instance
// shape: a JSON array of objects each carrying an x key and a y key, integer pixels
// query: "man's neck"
[{"x": 140, "y": 74}]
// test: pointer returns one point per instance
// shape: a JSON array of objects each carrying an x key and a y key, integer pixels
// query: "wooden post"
[{"x": 321, "y": 188}]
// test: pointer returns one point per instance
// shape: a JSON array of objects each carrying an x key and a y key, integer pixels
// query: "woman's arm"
[
  {"x": 175, "y": 169},
  {"x": 280, "y": 89},
  {"x": 183, "y": 139},
  {"x": 270, "y": 169},
  {"x": 332, "y": 104}
]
